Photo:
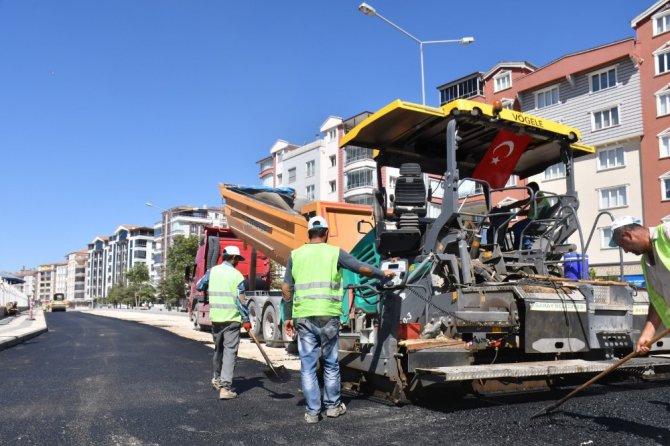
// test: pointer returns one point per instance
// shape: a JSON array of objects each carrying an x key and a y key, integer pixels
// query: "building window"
[
  {"x": 511, "y": 181},
  {"x": 662, "y": 60},
  {"x": 359, "y": 178},
  {"x": 663, "y": 102},
  {"x": 604, "y": 119},
  {"x": 664, "y": 143},
  {"x": 310, "y": 166},
  {"x": 280, "y": 156},
  {"x": 547, "y": 97},
  {"x": 610, "y": 158},
  {"x": 310, "y": 192},
  {"x": 665, "y": 187},
  {"x": 392, "y": 182},
  {"x": 333, "y": 160},
  {"x": 354, "y": 153},
  {"x": 613, "y": 197},
  {"x": 603, "y": 80},
  {"x": 291, "y": 175},
  {"x": 464, "y": 89},
  {"x": 333, "y": 186},
  {"x": 661, "y": 22},
  {"x": 332, "y": 134},
  {"x": 605, "y": 237},
  {"x": 555, "y": 171},
  {"x": 278, "y": 179},
  {"x": 507, "y": 103},
  {"x": 502, "y": 81}
]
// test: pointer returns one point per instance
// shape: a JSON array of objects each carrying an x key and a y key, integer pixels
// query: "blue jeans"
[{"x": 319, "y": 335}]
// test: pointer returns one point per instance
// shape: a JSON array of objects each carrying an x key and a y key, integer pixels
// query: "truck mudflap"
[{"x": 539, "y": 369}]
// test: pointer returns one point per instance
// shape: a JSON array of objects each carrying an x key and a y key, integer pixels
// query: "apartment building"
[
  {"x": 186, "y": 221},
  {"x": 75, "y": 290},
  {"x": 46, "y": 281},
  {"x": 96, "y": 285},
  {"x": 652, "y": 28},
  {"x": 29, "y": 285}
]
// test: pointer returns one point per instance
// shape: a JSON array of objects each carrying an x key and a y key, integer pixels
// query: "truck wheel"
[
  {"x": 255, "y": 319},
  {"x": 271, "y": 332}
]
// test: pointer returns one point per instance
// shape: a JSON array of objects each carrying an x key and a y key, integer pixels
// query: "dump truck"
[
  {"x": 263, "y": 303},
  {"x": 469, "y": 308}
]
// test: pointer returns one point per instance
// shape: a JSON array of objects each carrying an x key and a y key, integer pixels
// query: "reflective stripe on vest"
[
  {"x": 223, "y": 292},
  {"x": 317, "y": 281},
  {"x": 662, "y": 248}
]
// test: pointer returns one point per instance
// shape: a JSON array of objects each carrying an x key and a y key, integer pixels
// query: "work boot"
[
  {"x": 311, "y": 419},
  {"x": 216, "y": 383},
  {"x": 335, "y": 412},
  {"x": 226, "y": 394}
]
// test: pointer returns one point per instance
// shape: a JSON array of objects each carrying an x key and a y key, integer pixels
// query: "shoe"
[
  {"x": 216, "y": 383},
  {"x": 336, "y": 411},
  {"x": 226, "y": 394},
  {"x": 311, "y": 419}
]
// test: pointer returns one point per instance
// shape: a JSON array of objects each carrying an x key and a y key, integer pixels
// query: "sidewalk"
[{"x": 17, "y": 329}]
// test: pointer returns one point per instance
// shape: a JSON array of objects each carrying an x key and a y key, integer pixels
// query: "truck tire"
[
  {"x": 255, "y": 319},
  {"x": 271, "y": 332}
]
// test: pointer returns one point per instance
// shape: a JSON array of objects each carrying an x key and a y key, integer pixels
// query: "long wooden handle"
[
  {"x": 604, "y": 373},
  {"x": 265, "y": 356}
]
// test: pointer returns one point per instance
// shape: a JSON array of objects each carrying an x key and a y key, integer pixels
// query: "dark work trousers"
[{"x": 226, "y": 341}]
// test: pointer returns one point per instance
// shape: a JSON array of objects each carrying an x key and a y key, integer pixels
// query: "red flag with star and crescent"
[{"x": 501, "y": 157}]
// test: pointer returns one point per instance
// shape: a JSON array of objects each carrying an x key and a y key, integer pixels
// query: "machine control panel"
[{"x": 399, "y": 267}]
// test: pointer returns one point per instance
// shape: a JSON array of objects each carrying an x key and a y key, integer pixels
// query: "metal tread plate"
[{"x": 533, "y": 369}]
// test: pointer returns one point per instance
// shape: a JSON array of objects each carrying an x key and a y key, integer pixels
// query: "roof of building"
[
  {"x": 647, "y": 12},
  {"x": 10, "y": 278}
]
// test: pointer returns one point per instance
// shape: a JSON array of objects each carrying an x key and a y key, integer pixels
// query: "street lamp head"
[
  {"x": 367, "y": 10},
  {"x": 467, "y": 40}
]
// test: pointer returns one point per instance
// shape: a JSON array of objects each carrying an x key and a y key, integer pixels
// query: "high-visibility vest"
[
  {"x": 223, "y": 294},
  {"x": 662, "y": 248},
  {"x": 317, "y": 281}
]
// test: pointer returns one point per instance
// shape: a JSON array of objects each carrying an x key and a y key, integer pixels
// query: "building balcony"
[{"x": 354, "y": 191}]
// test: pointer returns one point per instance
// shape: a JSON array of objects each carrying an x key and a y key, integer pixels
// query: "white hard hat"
[
  {"x": 232, "y": 251},
  {"x": 620, "y": 222},
  {"x": 317, "y": 222}
]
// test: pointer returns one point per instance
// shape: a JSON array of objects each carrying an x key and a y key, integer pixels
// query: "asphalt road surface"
[{"x": 98, "y": 381}]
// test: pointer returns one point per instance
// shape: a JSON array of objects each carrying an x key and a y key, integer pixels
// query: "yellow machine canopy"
[{"x": 403, "y": 132}]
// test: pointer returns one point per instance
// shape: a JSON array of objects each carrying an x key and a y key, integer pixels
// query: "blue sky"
[{"x": 108, "y": 104}]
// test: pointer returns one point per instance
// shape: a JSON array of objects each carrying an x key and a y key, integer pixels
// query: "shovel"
[
  {"x": 547, "y": 410},
  {"x": 275, "y": 373}
]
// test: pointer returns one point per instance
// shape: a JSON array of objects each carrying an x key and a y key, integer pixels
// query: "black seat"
[{"x": 410, "y": 191}]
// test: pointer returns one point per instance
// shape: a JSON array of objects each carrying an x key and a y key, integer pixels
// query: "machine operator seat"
[
  {"x": 409, "y": 204},
  {"x": 410, "y": 191}
]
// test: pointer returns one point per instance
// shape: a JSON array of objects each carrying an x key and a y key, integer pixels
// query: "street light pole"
[{"x": 370, "y": 11}]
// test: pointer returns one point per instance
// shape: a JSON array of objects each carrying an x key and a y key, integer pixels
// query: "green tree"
[
  {"x": 138, "y": 284},
  {"x": 180, "y": 255}
]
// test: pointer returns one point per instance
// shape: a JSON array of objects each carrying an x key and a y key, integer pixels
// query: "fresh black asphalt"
[{"x": 97, "y": 381}]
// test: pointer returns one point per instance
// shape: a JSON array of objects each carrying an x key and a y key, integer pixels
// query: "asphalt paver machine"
[{"x": 469, "y": 307}]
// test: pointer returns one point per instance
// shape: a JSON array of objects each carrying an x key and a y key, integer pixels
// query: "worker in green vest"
[
  {"x": 228, "y": 313},
  {"x": 653, "y": 244},
  {"x": 313, "y": 281}
]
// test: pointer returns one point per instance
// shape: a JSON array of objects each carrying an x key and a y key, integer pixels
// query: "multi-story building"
[
  {"x": 96, "y": 273},
  {"x": 652, "y": 27},
  {"x": 128, "y": 247},
  {"x": 46, "y": 281},
  {"x": 76, "y": 276},
  {"x": 180, "y": 220}
]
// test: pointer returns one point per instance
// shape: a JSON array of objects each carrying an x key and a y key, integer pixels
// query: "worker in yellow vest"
[
  {"x": 228, "y": 313},
  {"x": 653, "y": 244},
  {"x": 313, "y": 281}
]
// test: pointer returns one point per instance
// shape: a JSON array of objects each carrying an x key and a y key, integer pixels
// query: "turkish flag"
[{"x": 501, "y": 157}]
